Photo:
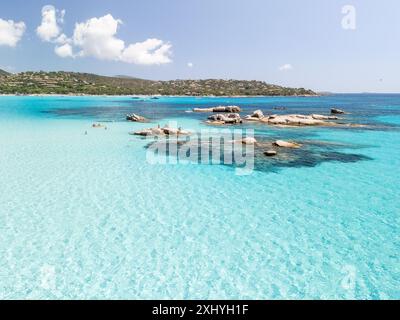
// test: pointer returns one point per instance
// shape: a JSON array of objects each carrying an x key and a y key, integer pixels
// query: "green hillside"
[{"x": 85, "y": 83}]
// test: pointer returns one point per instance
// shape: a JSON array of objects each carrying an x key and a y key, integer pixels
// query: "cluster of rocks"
[
  {"x": 233, "y": 117},
  {"x": 166, "y": 131},
  {"x": 292, "y": 119},
  {"x": 298, "y": 120},
  {"x": 135, "y": 118},
  {"x": 220, "y": 119},
  {"x": 228, "y": 109}
]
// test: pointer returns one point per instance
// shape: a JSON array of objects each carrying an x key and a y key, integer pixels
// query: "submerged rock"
[
  {"x": 286, "y": 144},
  {"x": 135, "y": 118}
]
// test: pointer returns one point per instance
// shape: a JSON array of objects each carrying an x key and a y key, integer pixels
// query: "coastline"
[{"x": 153, "y": 96}]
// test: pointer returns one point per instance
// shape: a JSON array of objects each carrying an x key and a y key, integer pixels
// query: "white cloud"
[
  {"x": 11, "y": 32},
  {"x": 49, "y": 29},
  {"x": 151, "y": 51},
  {"x": 286, "y": 67},
  {"x": 190, "y": 64},
  {"x": 97, "y": 38},
  {"x": 64, "y": 51}
]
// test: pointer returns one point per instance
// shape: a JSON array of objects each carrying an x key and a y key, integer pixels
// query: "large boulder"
[
  {"x": 258, "y": 114},
  {"x": 249, "y": 140},
  {"x": 286, "y": 144}
]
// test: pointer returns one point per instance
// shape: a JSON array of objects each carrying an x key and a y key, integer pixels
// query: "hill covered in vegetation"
[
  {"x": 3, "y": 73},
  {"x": 91, "y": 84}
]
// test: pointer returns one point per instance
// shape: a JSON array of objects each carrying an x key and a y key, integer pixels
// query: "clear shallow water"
[{"x": 87, "y": 216}]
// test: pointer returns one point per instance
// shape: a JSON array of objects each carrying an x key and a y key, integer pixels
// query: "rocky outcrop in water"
[
  {"x": 286, "y": 144},
  {"x": 292, "y": 119},
  {"x": 135, "y": 118},
  {"x": 249, "y": 140},
  {"x": 166, "y": 131},
  {"x": 228, "y": 109},
  {"x": 231, "y": 118},
  {"x": 270, "y": 153},
  {"x": 337, "y": 111},
  {"x": 322, "y": 117},
  {"x": 256, "y": 116}
]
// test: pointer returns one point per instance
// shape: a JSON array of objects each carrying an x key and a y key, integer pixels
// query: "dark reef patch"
[{"x": 311, "y": 154}]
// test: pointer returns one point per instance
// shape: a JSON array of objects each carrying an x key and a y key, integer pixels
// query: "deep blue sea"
[{"x": 87, "y": 216}]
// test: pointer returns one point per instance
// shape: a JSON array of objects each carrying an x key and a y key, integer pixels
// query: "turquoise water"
[{"x": 86, "y": 216}]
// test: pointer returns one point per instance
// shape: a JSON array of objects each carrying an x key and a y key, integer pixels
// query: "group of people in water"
[{"x": 97, "y": 125}]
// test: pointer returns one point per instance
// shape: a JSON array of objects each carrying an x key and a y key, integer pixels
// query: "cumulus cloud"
[
  {"x": 49, "y": 29},
  {"x": 64, "y": 51},
  {"x": 151, "y": 51},
  {"x": 97, "y": 38},
  {"x": 286, "y": 67},
  {"x": 11, "y": 32}
]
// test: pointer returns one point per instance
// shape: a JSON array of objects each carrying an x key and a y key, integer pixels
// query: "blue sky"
[{"x": 287, "y": 42}]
